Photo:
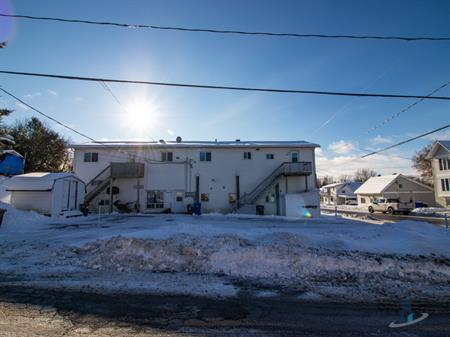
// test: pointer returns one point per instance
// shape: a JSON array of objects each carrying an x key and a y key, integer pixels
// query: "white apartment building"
[
  {"x": 440, "y": 163},
  {"x": 267, "y": 177}
]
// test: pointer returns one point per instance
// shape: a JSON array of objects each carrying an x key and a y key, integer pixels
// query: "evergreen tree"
[{"x": 44, "y": 150}]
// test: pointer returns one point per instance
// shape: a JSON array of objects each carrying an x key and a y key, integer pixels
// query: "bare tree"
[
  {"x": 362, "y": 175},
  {"x": 325, "y": 180},
  {"x": 345, "y": 178},
  {"x": 423, "y": 165}
]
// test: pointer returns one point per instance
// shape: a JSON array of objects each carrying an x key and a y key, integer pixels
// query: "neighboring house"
[
  {"x": 395, "y": 186},
  {"x": 440, "y": 163},
  {"x": 339, "y": 193},
  {"x": 223, "y": 176},
  {"x": 50, "y": 194}
]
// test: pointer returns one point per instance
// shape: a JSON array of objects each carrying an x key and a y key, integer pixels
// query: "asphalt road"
[
  {"x": 31, "y": 312},
  {"x": 393, "y": 217}
]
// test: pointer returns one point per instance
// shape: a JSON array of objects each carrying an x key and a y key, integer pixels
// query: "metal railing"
[{"x": 287, "y": 169}]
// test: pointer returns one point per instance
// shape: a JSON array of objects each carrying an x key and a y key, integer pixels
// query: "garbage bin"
[
  {"x": 197, "y": 208},
  {"x": 2, "y": 212},
  {"x": 259, "y": 209}
]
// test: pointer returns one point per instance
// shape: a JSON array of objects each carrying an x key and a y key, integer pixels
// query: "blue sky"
[{"x": 339, "y": 124}]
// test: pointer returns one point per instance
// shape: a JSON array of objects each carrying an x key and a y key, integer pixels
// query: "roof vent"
[
  {"x": 162, "y": 141},
  {"x": 178, "y": 139},
  {"x": 238, "y": 140}
]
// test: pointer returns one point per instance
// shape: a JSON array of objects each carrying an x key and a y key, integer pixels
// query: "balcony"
[
  {"x": 127, "y": 170},
  {"x": 297, "y": 169}
]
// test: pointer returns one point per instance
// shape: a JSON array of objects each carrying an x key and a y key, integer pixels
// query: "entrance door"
[{"x": 178, "y": 202}]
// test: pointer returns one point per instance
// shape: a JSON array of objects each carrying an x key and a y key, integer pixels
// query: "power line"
[
  {"x": 407, "y": 141},
  {"x": 229, "y": 32},
  {"x": 393, "y": 116},
  {"x": 108, "y": 89},
  {"x": 221, "y": 87}
]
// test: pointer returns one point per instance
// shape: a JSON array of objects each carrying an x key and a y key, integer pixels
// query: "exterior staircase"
[
  {"x": 98, "y": 184},
  {"x": 115, "y": 170},
  {"x": 285, "y": 169}
]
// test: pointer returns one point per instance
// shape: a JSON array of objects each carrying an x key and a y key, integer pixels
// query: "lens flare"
[{"x": 7, "y": 25}]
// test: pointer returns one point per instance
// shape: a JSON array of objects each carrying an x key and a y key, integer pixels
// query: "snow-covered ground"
[
  {"x": 215, "y": 255},
  {"x": 431, "y": 211}
]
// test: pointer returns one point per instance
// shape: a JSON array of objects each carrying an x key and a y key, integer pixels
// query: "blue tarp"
[{"x": 11, "y": 163}]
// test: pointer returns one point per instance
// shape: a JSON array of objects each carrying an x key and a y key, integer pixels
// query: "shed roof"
[
  {"x": 37, "y": 181},
  {"x": 377, "y": 185}
]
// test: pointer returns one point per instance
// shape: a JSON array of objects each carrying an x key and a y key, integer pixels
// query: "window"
[
  {"x": 400, "y": 185},
  {"x": 444, "y": 164},
  {"x": 269, "y": 156},
  {"x": 179, "y": 196},
  {"x": 445, "y": 184},
  {"x": 166, "y": 156},
  {"x": 363, "y": 200},
  {"x": 204, "y": 197},
  {"x": 294, "y": 157},
  {"x": 91, "y": 157},
  {"x": 232, "y": 198},
  {"x": 447, "y": 200},
  {"x": 155, "y": 199},
  {"x": 205, "y": 156},
  {"x": 247, "y": 155}
]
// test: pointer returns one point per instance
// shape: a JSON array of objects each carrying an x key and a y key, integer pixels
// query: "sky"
[{"x": 341, "y": 125}]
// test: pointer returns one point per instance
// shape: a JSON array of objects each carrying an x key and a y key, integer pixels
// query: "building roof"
[
  {"x": 443, "y": 143},
  {"x": 332, "y": 185},
  {"x": 37, "y": 181},
  {"x": 377, "y": 185},
  {"x": 197, "y": 144}
]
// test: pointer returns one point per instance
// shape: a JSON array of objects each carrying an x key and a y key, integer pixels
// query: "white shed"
[{"x": 47, "y": 193}]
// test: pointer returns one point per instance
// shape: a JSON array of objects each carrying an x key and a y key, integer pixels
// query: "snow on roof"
[
  {"x": 37, "y": 181},
  {"x": 184, "y": 144},
  {"x": 444, "y": 143},
  {"x": 377, "y": 185},
  {"x": 332, "y": 185},
  {"x": 11, "y": 152}
]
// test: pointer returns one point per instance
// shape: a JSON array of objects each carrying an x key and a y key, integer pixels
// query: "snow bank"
[
  {"x": 17, "y": 220},
  {"x": 5, "y": 196},
  {"x": 435, "y": 211}
]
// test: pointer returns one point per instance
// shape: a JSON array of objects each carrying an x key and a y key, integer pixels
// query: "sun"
[{"x": 140, "y": 115}]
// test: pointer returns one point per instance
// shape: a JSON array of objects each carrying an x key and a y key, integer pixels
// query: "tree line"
[{"x": 43, "y": 149}]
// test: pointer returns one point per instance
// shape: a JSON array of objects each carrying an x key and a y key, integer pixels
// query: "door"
[
  {"x": 178, "y": 202},
  {"x": 277, "y": 198},
  {"x": 73, "y": 195},
  {"x": 65, "y": 195}
]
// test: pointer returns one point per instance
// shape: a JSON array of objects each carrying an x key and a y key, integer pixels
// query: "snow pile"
[
  {"x": 434, "y": 211},
  {"x": 279, "y": 260},
  {"x": 5, "y": 196},
  {"x": 17, "y": 220}
]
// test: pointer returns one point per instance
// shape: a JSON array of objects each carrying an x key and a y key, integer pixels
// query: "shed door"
[
  {"x": 73, "y": 195},
  {"x": 65, "y": 195}
]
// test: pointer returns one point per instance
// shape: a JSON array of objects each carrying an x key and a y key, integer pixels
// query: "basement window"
[
  {"x": 204, "y": 197},
  {"x": 232, "y": 197},
  {"x": 91, "y": 157}
]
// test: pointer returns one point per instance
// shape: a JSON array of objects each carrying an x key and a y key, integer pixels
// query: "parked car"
[
  {"x": 351, "y": 202},
  {"x": 390, "y": 206}
]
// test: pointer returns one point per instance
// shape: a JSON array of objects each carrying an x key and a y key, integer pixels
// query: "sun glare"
[{"x": 140, "y": 115}]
